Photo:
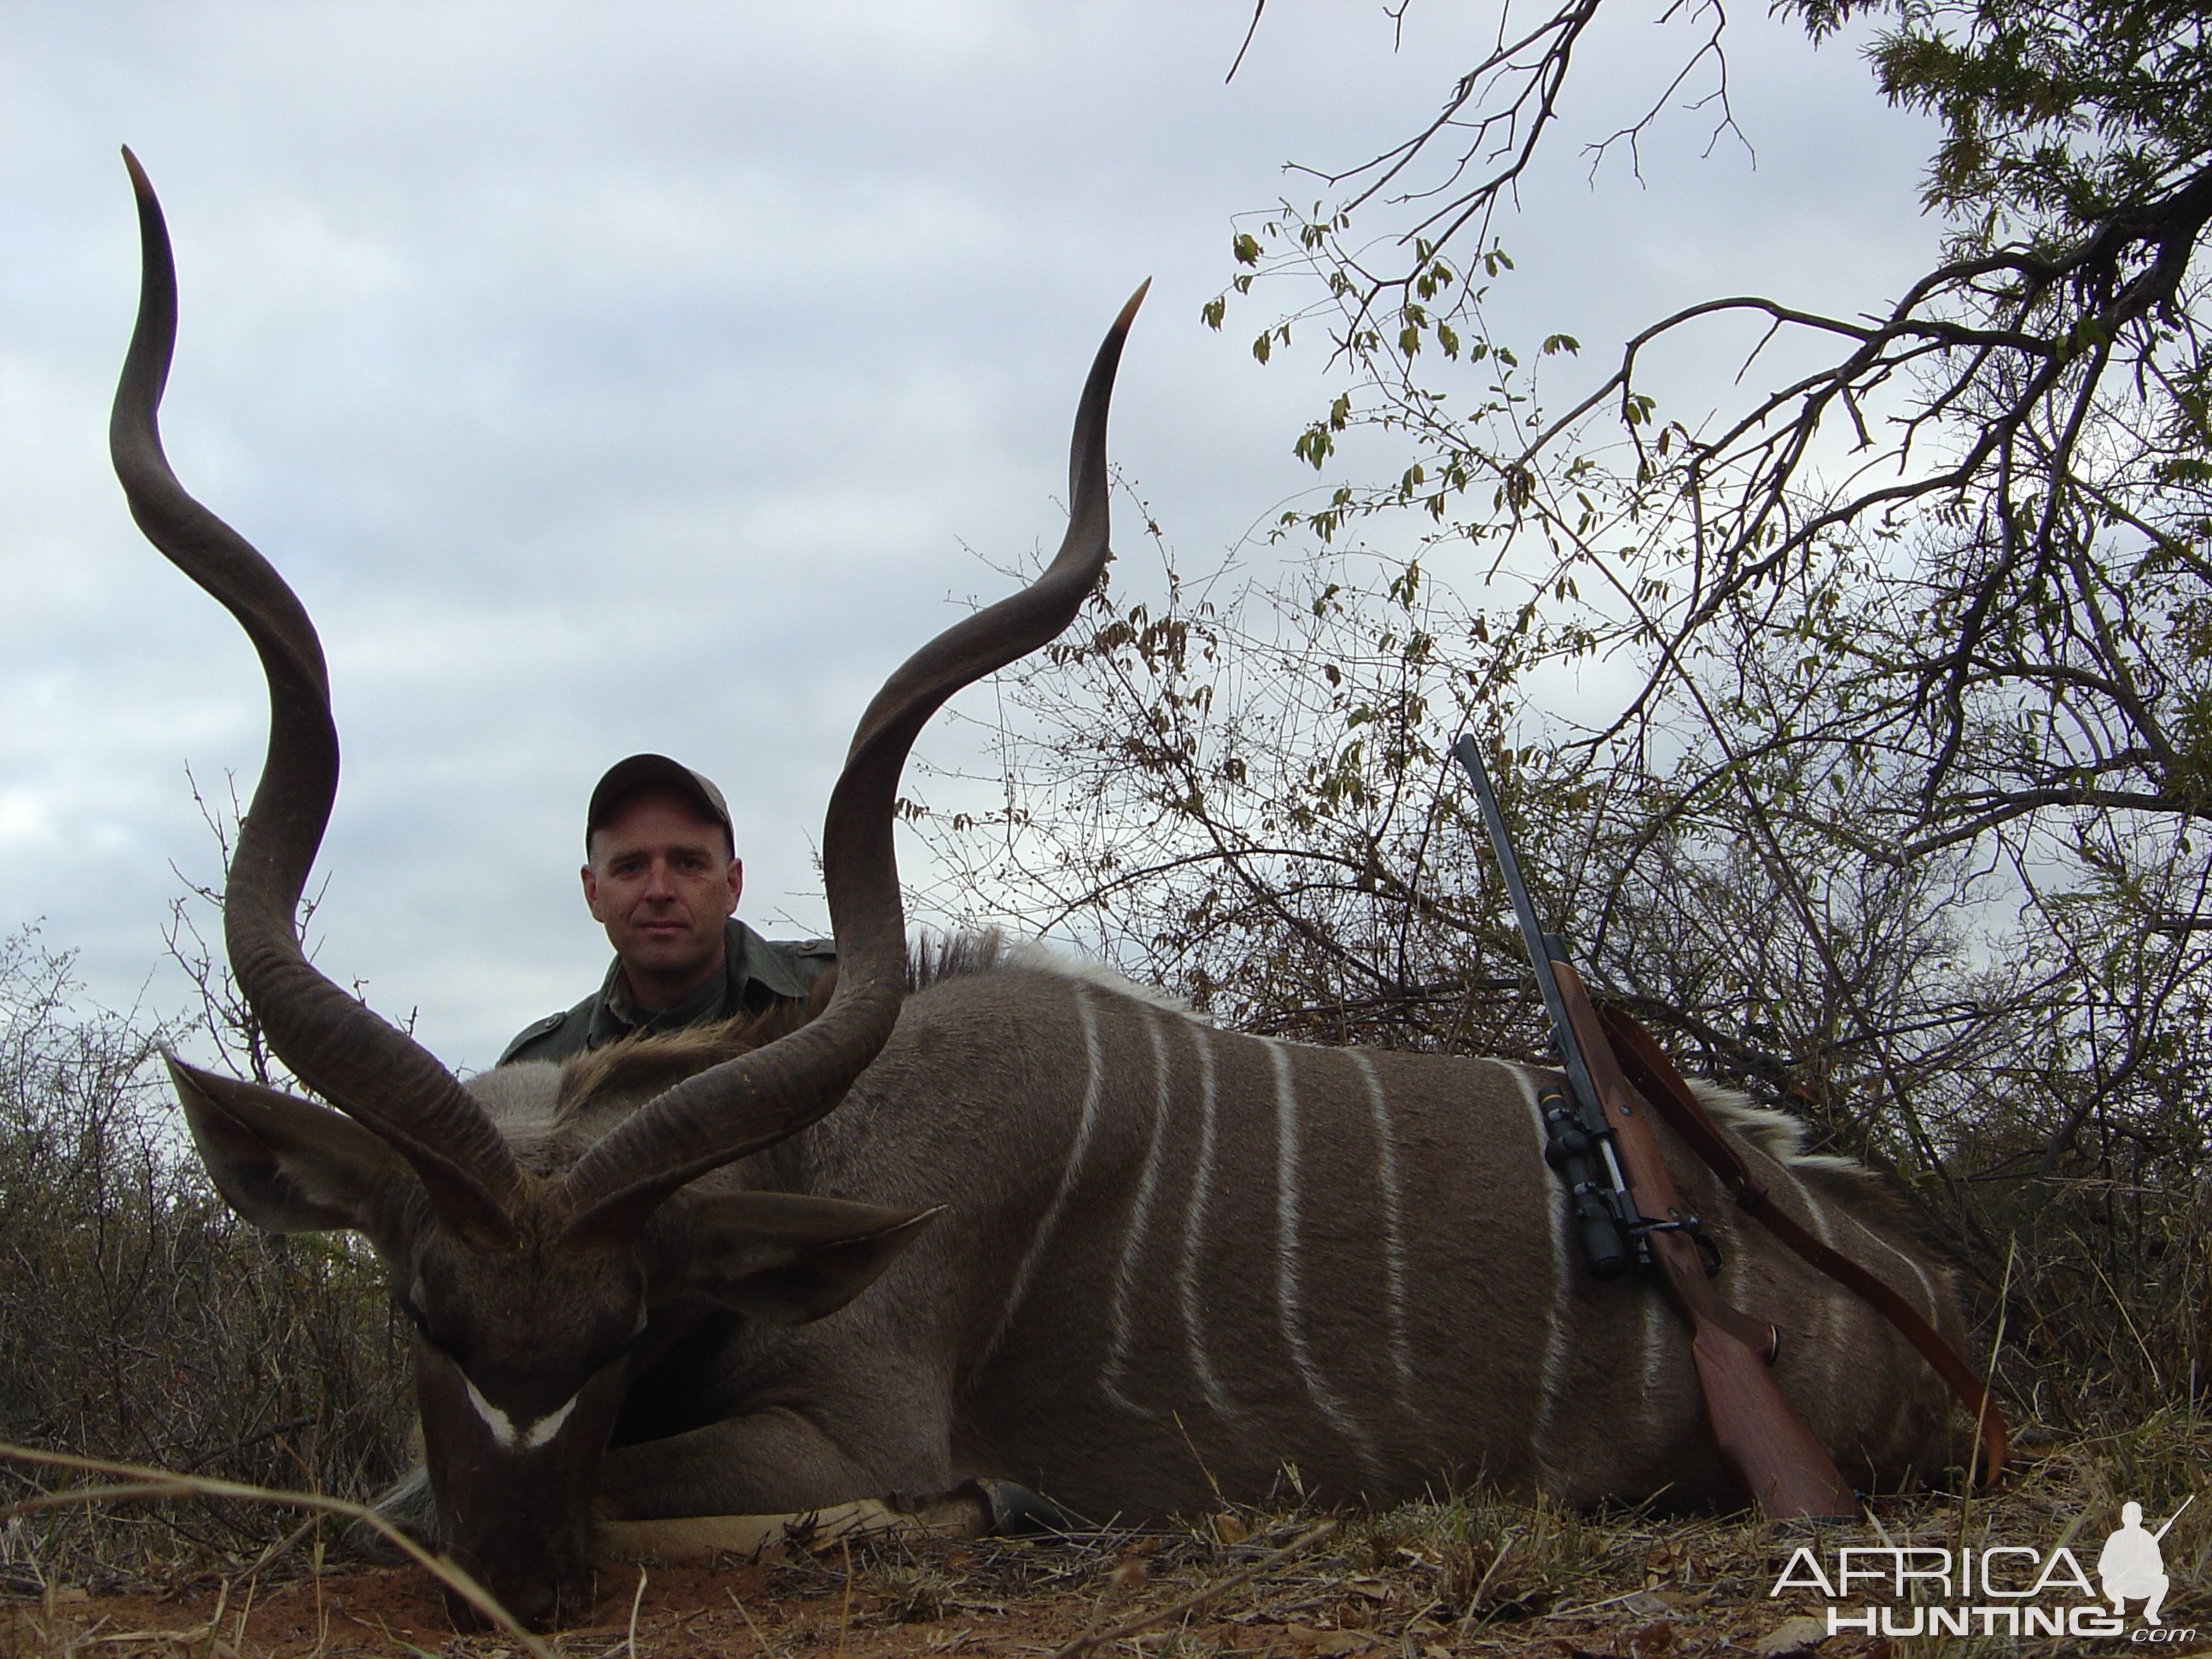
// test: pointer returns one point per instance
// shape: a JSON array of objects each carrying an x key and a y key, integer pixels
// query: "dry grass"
[
  {"x": 129, "y": 1483},
  {"x": 1476, "y": 1575}
]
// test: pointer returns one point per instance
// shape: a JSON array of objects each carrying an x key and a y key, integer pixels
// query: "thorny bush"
[{"x": 144, "y": 1321}]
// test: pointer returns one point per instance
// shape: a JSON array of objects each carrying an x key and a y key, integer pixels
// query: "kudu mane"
[
  {"x": 638, "y": 1068},
  {"x": 1781, "y": 1135}
]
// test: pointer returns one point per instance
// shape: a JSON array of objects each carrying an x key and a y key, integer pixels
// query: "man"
[
  {"x": 2132, "y": 1566},
  {"x": 661, "y": 874}
]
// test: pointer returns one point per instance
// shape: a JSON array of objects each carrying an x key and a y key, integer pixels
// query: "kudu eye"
[{"x": 421, "y": 1321}]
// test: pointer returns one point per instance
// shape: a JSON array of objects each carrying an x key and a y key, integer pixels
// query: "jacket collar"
[{"x": 747, "y": 961}]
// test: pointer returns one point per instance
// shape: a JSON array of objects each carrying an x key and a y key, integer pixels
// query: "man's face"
[{"x": 662, "y": 881}]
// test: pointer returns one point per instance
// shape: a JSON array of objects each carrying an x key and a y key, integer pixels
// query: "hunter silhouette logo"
[{"x": 2130, "y": 1564}]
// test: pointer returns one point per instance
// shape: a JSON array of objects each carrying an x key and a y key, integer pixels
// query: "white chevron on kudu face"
[{"x": 532, "y": 1434}]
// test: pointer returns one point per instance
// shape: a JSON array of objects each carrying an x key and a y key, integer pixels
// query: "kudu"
[{"x": 1170, "y": 1259}]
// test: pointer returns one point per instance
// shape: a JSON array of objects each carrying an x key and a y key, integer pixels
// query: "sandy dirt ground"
[{"x": 1208, "y": 1594}]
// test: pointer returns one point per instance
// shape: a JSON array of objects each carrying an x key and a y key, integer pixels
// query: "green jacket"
[{"x": 756, "y": 973}]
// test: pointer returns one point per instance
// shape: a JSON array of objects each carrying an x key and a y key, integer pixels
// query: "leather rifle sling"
[
  {"x": 1656, "y": 1078},
  {"x": 1774, "y": 1456}
]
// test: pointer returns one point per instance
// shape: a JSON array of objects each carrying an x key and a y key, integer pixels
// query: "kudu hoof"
[{"x": 1016, "y": 1512}]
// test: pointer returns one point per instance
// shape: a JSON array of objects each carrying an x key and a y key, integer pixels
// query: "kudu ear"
[
  {"x": 786, "y": 1258},
  {"x": 288, "y": 1166}
]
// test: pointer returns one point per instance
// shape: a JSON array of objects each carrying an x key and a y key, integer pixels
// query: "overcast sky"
[{"x": 656, "y": 376}]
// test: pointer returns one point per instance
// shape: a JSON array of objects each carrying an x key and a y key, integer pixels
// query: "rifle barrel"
[
  {"x": 2160, "y": 1534},
  {"x": 1541, "y": 944}
]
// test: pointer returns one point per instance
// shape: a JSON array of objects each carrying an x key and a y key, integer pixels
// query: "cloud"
[{"x": 612, "y": 379}]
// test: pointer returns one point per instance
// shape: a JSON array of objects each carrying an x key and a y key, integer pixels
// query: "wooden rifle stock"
[
  {"x": 1653, "y": 1075},
  {"x": 1772, "y": 1454}
]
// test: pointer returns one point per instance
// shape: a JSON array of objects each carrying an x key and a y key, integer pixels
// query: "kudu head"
[{"x": 527, "y": 1280}]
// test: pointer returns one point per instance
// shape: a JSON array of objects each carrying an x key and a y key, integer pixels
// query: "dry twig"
[
  {"x": 1198, "y": 1598},
  {"x": 141, "y": 1482}
]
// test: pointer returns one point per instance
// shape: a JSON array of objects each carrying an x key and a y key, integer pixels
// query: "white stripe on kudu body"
[
  {"x": 1194, "y": 1230},
  {"x": 1557, "y": 1327},
  {"x": 1140, "y": 1212},
  {"x": 1070, "y": 1174},
  {"x": 1280, "y": 1056},
  {"x": 1827, "y": 1331},
  {"x": 1393, "y": 1236},
  {"x": 1928, "y": 1303}
]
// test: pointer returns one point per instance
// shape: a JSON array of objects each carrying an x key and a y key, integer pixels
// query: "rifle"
[
  {"x": 1765, "y": 1444},
  {"x": 2160, "y": 1535}
]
